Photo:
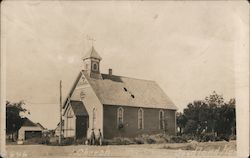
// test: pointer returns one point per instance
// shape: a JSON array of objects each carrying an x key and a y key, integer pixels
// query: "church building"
[{"x": 119, "y": 106}]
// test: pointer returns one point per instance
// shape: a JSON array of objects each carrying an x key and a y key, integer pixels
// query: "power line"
[{"x": 38, "y": 103}]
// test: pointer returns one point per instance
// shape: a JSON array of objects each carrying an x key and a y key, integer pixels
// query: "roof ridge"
[
  {"x": 75, "y": 100},
  {"x": 130, "y": 77}
]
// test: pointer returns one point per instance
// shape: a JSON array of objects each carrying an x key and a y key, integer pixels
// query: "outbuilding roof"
[
  {"x": 41, "y": 126},
  {"x": 119, "y": 90},
  {"x": 28, "y": 123}
]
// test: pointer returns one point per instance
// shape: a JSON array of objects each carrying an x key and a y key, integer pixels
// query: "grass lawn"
[{"x": 141, "y": 151}]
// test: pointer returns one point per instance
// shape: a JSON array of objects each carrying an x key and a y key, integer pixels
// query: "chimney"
[{"x": 110, "y": 72}]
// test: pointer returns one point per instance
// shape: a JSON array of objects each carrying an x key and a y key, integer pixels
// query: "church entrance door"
[{"x": 81, "y": 126}]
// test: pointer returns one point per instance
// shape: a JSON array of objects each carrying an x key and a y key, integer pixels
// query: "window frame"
[
  {"x": 122, "y": 116},
  {"x": 95, "y": 66},
  {"x": 140, "y": 110},
  {"x": 94, "y": 118},
  {"x": 82, "y": 95},
  {"x": 161, "y": 120}
]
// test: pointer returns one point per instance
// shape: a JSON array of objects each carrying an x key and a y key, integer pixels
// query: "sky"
[{"x": 187, "y": 47}]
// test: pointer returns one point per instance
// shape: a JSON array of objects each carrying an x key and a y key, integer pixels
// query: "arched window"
[
  {"x": 95, "y": 66},
  {"x": 161, "y": 119},
  {"x": 119, "y": 116},
  {"x": 140, "y": 119},
  {"x": 82, "y": 95},
  {"x": 94, "y": 118}
]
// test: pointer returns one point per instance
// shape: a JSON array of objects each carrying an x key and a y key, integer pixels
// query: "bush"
[
  {"x": 210, "y": 137},
  {"x": 68, "y": 141},
  {"x": 128, "y": 141},
  {"x": 149, "y": 141},
  {"x": 224, "y": 137},
  {"x": 54, "y": 141},
  {"x": 145, "y": 139},
  {"x": 185, "y": 147},
  {"x": 162, "y": 138},
  {"x": 138, "y": 140},
  {"x": 178, "y": 139},
  {"x": 118, "y": 141},
  {"x": 44, "y": 140},
  {"x": 232, "y": 137},
  {"x": 33, "y": 141},
  {"x": 80, "y": 141},
  {"x": 205, "y": 137},
  {"x": 157, "y": 138}
]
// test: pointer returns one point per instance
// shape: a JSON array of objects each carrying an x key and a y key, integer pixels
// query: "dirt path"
[{"x": 127, "y": 151}]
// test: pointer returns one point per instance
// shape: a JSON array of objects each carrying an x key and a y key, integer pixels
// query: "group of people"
[{"x": 95, "y": 139}]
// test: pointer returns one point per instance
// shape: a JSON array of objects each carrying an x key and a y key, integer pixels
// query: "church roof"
[
  {"x": 92, "y": 53},
  {"x": 78, "y": 108},
  {"x": 119, "y": 90}
]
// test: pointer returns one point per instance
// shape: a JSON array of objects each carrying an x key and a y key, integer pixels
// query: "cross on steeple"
[{"x": 91, "y": 39}]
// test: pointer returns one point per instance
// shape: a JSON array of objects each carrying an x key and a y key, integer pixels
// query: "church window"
[
  {"x": 94, "y": 117},
  {"x": 140, "y": 119},
  {"x": 82, "y": 95},
  {"x": 161, "y": 119},
  {"x": 95, "y": 66},
  {"x": 119, "y": 117}
]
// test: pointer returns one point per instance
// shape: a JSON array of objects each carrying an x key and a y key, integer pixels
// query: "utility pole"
[{"x": 60, "y": 135}]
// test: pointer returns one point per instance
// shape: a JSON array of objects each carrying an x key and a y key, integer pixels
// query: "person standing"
[
  {"x": 92, "y": 138},
  {"x": 99, "y": 137}
]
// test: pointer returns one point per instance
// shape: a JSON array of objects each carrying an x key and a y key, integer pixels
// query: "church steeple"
[
  {"x": 91, "y": 62},
  {"x": 92, "y": 53}
]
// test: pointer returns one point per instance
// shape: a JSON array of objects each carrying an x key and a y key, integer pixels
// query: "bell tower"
[{"x": 91, "y": 62}]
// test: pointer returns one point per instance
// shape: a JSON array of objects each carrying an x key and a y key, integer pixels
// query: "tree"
[
  {"x": 191, "y": 127},
  {"x": 181, "y": 121},
  {"x": 13, "y": 118},
  {"x": 198, "y": 113},
  {"x": 215, "y": 102},
  {"x": 209, "y": 117},
  {"x": 214, "y": 99},
  {"x": 226, "y": 124}
]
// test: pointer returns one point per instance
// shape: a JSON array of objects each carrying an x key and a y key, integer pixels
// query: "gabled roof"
[
  {"x": 78, "y": 108},
  {"x": 67, "y": 99},
  {"x": 28, "y": 122},
  {"x": 119, "y": 90},
  {"x": 38, "y": 124},
  {"x": 92, "y": 53}
]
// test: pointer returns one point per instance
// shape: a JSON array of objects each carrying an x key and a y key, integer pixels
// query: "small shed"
[{"x": 30, "y": 130}]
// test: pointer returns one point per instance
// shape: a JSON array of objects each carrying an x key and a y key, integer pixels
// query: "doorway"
[{"x": 81, "y": 126}]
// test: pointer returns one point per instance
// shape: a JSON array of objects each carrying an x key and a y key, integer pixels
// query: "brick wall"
[{"x": 130, "y": 121}]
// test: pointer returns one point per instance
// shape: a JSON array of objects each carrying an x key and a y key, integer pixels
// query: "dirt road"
[{"x": 119, "y": 151}]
